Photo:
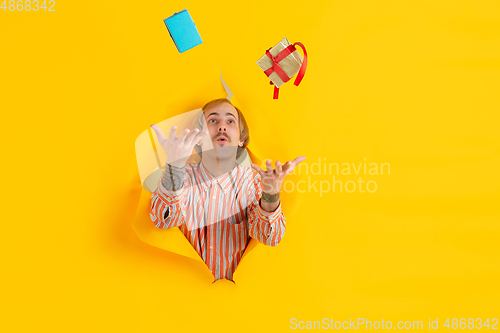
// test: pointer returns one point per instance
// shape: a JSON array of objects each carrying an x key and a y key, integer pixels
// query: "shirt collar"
[{"x": 224, "y": 182}]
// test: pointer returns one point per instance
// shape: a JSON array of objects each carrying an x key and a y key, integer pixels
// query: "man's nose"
[{"x": 222, "y": 128}]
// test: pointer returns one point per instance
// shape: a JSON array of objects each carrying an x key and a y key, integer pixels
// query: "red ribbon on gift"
[{"x": 276, "y": 67}]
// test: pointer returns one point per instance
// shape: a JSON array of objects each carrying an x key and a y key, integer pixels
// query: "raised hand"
[
  {"x": 178, "y": 149},
  {"x": 272, "y": 179}
]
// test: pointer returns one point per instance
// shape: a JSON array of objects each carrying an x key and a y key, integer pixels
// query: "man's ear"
[{"x": 241, "y": 143}]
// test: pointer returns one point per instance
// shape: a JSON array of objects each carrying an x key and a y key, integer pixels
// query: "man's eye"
[
  {"x": 211, "y": 120},
  {"x": 231, "y": 121}
]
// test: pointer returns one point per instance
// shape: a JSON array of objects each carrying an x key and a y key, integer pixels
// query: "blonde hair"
[{"x": 242, "y": 125}]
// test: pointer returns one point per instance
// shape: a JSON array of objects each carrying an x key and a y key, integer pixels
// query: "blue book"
[{"x": 183, "y": 30}]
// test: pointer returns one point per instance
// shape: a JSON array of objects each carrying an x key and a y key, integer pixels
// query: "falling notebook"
[{"x": 183, "y": 30}]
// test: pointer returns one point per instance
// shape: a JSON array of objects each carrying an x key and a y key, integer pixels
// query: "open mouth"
[{"x": 222, "y": 139}]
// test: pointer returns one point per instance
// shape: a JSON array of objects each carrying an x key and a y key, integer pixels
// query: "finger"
[
  {"x": 192, "y": 134},
  {"x": 290, "y": 170},
  {"x": 286, "y": 166},
  {"x": 258, "y": 169},
  {"x": 159, "y": 133},
  {"x": 278, "y": 167},
  {"x": 298, "y": 160},
  {"x": 269, "y": 166},
  {"x": 294, "y": 163},
  {"x": 182, "y": 137},
  {"x": 171, "y": 134},
  {"x": 200, "y": 137}
]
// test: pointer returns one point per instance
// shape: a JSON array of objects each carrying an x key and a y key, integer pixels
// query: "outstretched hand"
[
  {"x": 272, "y": 179},
  {"x": 178, "y": 149}
]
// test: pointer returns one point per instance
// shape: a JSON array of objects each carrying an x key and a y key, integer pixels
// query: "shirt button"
[
  {"x": 211, "y": 247},
  {"x": 214, "y": 197}
]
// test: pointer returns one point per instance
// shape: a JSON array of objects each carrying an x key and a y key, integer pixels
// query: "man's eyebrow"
[{"x": 227, "y": 114}]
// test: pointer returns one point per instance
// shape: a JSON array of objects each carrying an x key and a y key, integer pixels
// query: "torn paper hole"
[{"x": 202, "y": 225}]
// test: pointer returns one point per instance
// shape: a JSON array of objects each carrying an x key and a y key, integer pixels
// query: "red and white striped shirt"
[{"x": 218, "y": 215}]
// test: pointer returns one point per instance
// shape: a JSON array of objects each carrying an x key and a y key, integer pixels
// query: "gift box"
[
  {"x": 183, "y": 31},
  {"x": 282, "y": 62}
]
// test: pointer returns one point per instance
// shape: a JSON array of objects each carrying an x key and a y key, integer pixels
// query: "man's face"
[{"x": 222, "y": 122}]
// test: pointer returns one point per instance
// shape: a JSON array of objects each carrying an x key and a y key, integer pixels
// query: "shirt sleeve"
[
  {"x": 266, "y": 227},
  {"x": 168, "y": 207}
]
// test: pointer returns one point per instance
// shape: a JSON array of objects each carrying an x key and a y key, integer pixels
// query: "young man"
[{"x": 217, "y": 203}]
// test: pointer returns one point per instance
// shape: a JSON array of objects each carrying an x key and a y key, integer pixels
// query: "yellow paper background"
[{"x": 413, "y": 84}]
